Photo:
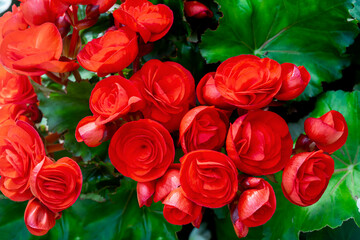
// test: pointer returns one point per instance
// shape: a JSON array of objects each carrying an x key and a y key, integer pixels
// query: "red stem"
[
  {"x": 136, "y": 64},
  {"x": 55, "y": 78},
  {"x": 75, "y": 34},
  {"x": 55, "y": 147},
  {"x": 52, "y": 137}
]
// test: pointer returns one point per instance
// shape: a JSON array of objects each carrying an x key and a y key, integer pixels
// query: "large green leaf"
[
  {"x": 305, "y": 32},
  {"x": 339, "y": 201},
  {"x": 121, "y": 218},
  {"x": 347, "y": 231},
  {"x": 118, "y": 218},
  {"x": 64, "y": 111},
  {"x": 355, "y": 12}
]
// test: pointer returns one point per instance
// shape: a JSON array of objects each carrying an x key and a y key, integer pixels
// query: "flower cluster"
[
  {"x": 222, "y": 122},
  {"x": 139, "y": 115},
  {"x": 28, "y": 174},
  {"x": 31, "y": 44}
]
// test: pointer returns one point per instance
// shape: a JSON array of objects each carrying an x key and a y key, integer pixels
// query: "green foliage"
[
  {"x": 97, "y": 30},
  {"x": 347, "y": 231},
  {"x": 64, "y": 111},
  {"x": 304, "y": 32},
  {"x": 355, "y": 11},
  {"x": 117, "y": 218}
]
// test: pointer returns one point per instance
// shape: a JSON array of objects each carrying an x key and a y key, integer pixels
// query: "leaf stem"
[
  {"x": 77, "y": 75},
  {"x": 55, "y": 78},
  {"x": 55, "y": 148}
]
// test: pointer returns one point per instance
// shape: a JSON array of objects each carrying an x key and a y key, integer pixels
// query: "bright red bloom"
[
  {"x": 248, "y": 82},
  {"x": 329, "y": 132},
  {"x": 38, "y": 218},
  {"x": 259, "y": 143},
  {"x": 178, "y": 209},
  {"x": 114, "y": 97},
  {"x": 57, "y": 185},
  {"x": 151, "y": 21},
  {"x": 208, "y": 178},
  {"x": 21, "y": 149},
  {"x": 142, "y": 150},
  {"x": 203, "y": 128},
  {"x": 257, "y": 202},
  {"x": 15, "y": 89},
  {"x": 197, "y": 10},
  {"x": 110, "y": 53},
  {"x": 168, "y": 90},
  {"x": 306, "y": 177},
  {"x": 34, "y": 51},
  {"x": 294, "y": 81}
]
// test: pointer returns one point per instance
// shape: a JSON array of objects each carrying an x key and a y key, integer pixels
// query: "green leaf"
[
  {"x": 304, "y": 32},
  {"x": 97, "y": 30},
  {"x": 118, "y": 218},
  {"x": 64, "y": 111},
  {"x": 165, "y": 48},
  {"x": 297, "y": 128},
  {"x": 12, "y": 224},
  {"x": 188, "y": 56},
  {"x": 225, "y": 229},
  {"x": 347, "y": 231},
  {"x": 355, "y": 11},
  {"x": 121, "y": 217},
  {"x": 180, "y": 26},
  {"x": 339, "y": 201}
]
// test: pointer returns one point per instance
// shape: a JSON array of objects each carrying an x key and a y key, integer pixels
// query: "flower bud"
[
  {"x": 329, "y": 132},
  {"x": 38, "y": 218},
  {"x": 304, "y": 144},
  {"x": 89, "y": 132},
  {"x": 257, "y": 202},
  {"x": 168, "y": 182},
  {"x": 145, "y": 191},
  {"x": 196, "y": 9},
  {"x": 178, "y": 209},
  {"x": 294, "y": 81}
]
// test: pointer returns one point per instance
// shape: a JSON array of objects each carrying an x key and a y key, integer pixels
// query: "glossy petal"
[
  {"x": 178, "y": 209},
  {"x": 89, "y": 132}
]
